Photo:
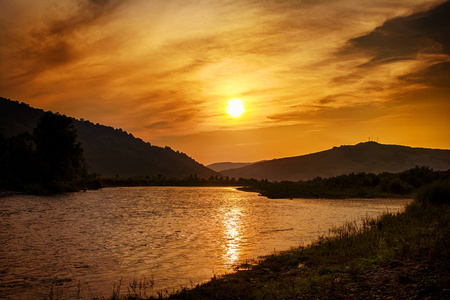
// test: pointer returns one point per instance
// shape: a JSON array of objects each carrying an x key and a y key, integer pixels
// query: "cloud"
[
  {"x": 382, "y": 70},
  {"x": 328, "y": 115},
  {"x": 88, "y": 13},
  {"x": 157, "y": 125},
  {"x": 405, "y": 37},
  {"x": 422, "y": 37},
  {"x": 399, "y": 57},
  {"x": 53, "y": 40},
  {"x": 436, "y": 76}
]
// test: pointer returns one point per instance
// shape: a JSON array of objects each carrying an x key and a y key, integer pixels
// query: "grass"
[{"x": 397, "y": 256}]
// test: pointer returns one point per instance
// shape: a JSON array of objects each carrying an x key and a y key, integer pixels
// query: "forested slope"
[{"x": 108, "y": 151}]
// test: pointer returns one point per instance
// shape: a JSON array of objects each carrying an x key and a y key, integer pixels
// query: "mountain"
[
  {"x": 221, "y": 166},
  {"x": 108, "y": 151},
  {"x": 369, "y": 157}
]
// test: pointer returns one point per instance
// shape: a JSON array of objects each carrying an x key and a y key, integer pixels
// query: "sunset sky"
[{"x": 312, "y": 74}]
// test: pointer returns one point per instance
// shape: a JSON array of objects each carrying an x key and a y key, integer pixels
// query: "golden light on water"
[{"x": 232, "y": 236}]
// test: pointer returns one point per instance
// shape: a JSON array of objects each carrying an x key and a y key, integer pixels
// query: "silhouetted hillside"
[
  {"x": 369, "y": 157},
  {"x": 108, "y": 151},
  {"x": 221, "y": 166}
]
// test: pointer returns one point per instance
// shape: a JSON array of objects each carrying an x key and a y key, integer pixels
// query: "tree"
[
  {"x": 4, "y": 164},
  {"x": 63, "y": 164},
  {"x": 24, "y": 164}
]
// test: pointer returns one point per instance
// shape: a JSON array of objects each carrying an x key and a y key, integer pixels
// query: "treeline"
[
  {"x": 47, "y": 161},
  {"x": 160, "y": 180},
  {"x": 354, "y": 185}
]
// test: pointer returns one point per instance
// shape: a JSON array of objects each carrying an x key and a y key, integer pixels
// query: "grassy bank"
[{"x": 398, "y": 256}]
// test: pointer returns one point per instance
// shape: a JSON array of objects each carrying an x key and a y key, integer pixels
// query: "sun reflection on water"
[{"x": 232, "y": 234}]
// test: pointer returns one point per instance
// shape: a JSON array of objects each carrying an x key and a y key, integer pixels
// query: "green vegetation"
[
  {"x": 48, "y": 161},
  {"x": 397, "y": 256},
  {"x": 360, "y": 185}
]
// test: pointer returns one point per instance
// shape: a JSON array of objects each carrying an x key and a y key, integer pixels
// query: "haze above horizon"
[{"x": 312, "y": 74}]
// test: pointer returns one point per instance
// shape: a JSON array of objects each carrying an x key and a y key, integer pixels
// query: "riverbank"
[
  {"x": 6, "y": 193},
  {"x": 324, "y": 194},
  {"x": 360, "y": 185},
  {"x": 398, "y": 256}
]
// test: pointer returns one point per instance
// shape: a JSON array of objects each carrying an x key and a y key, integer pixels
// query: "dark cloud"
[
  {"x": 89, "y": 12},
  {"x": 404, "y": 37},
  {"x": 327, "y": 100},
  {"x": 160, "y": 124},
  {"x": 404, "y": 54},
  {"x": 437, "y": 76}
]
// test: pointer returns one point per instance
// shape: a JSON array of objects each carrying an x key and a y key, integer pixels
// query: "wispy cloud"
[{"x": 48, "y": 44}]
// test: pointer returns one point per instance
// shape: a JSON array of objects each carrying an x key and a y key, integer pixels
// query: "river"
[{"x": 83, "y": 244}]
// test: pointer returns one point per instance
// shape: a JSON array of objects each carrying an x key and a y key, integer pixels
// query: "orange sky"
[{"x": 312, "y": 74}]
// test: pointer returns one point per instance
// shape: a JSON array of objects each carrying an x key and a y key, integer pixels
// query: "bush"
[
  {"x": 397, "y": 186},
  {"x": 437, "y": 193}
]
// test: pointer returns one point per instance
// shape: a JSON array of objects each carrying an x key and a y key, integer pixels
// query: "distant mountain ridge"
[
  {"x": 221, "y": 166},
  {"x": 108, "y": 151},
  {"x": 369, "y": 157}
]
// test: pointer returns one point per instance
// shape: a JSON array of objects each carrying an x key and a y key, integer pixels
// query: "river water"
[{"x": 81, "y": 245}]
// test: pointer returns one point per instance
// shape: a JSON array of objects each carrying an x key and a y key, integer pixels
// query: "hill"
[
  {"x": 108, "y": 151},
  {"x": 369, "y": 157},
  {"x": 221, "y": 166}
]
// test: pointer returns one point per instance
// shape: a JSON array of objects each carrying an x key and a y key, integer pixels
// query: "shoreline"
[
  {"x": 396, "y": 256},
  {"x": 7, "y": 193},
  {"x": 336, "y": 196}
]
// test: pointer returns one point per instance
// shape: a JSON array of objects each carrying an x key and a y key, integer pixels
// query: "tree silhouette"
[
  {"x": 23, "y": 163},
  {"x": 4, "y": 157},
  {"x": 63, "y": 164}
]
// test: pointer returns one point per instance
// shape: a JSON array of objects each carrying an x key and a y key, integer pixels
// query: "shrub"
[
  {"x": 437, "y": 193},
  {"x": 397, "y": 186}
]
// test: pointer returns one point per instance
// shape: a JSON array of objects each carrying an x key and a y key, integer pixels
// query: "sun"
[{"x": 235, "y": 107}]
